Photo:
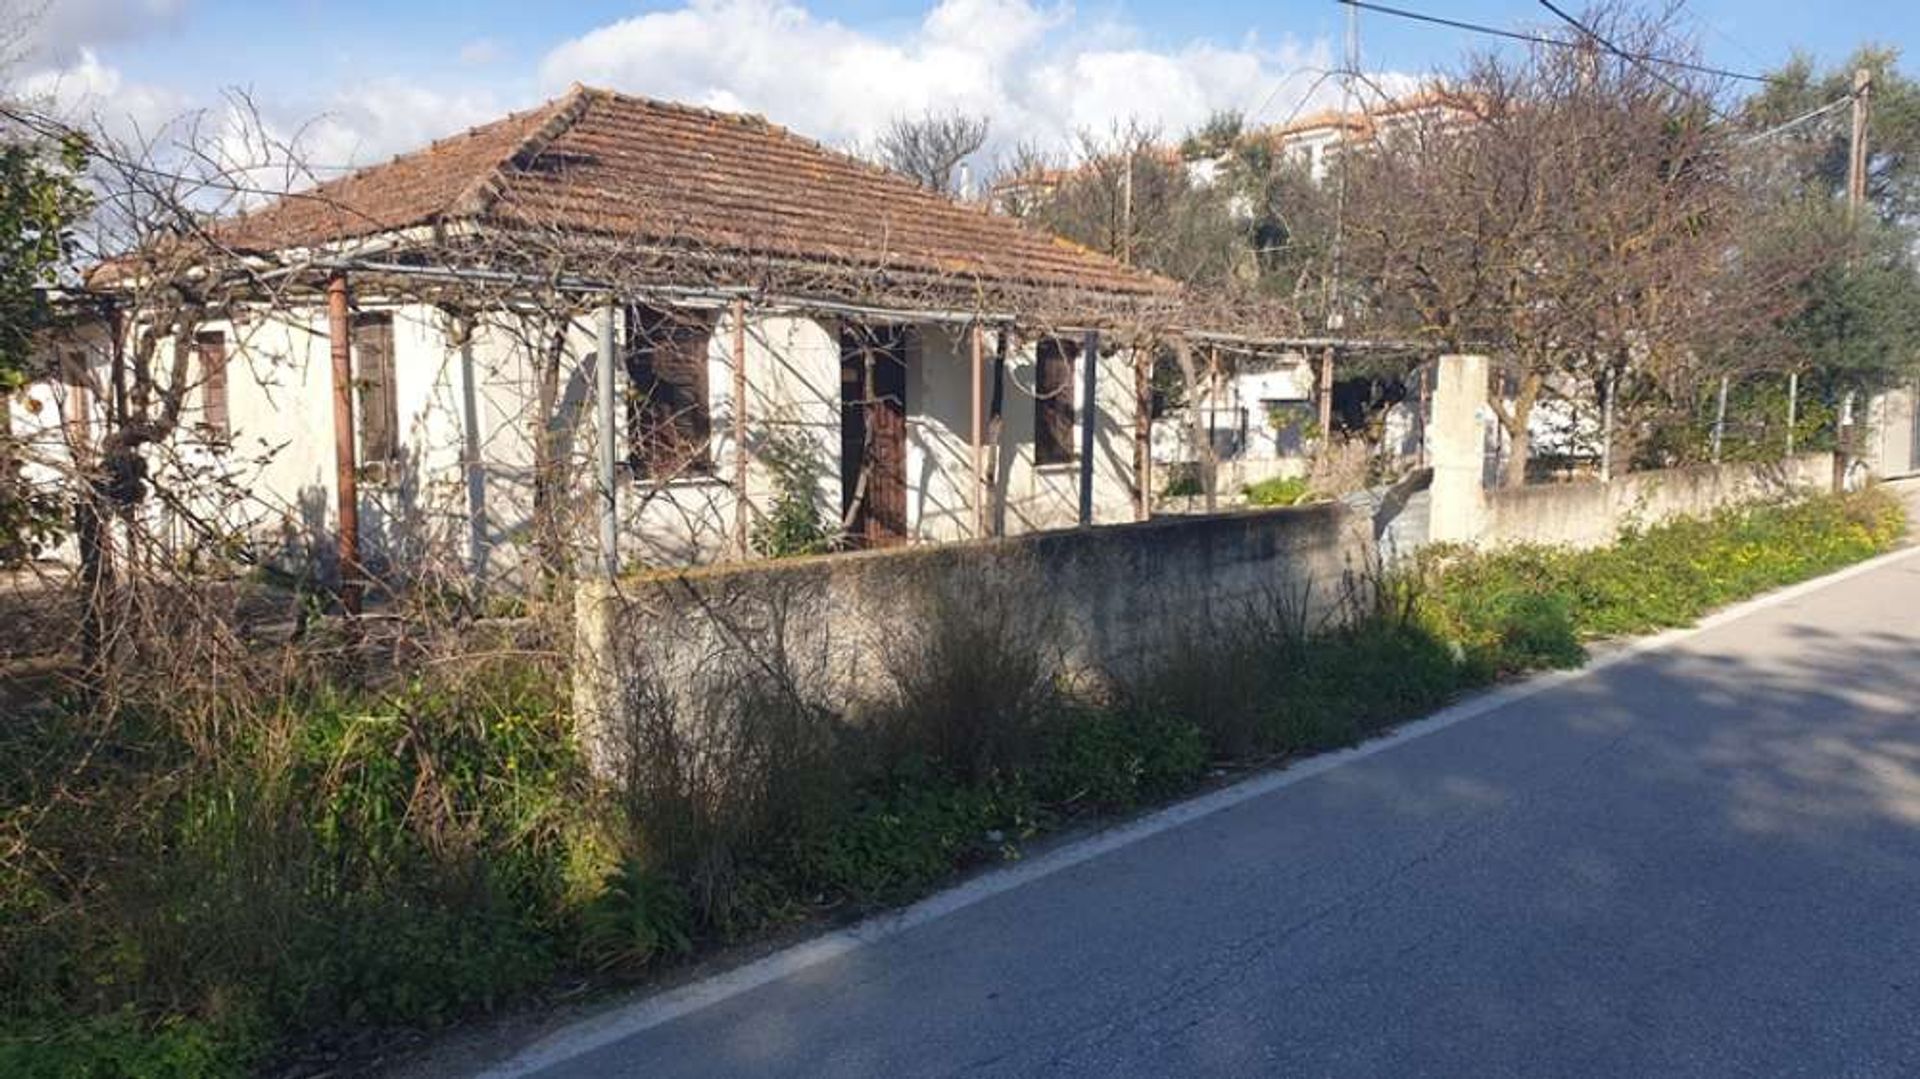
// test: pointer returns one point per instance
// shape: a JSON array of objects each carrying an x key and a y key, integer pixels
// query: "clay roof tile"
[{"x": 598, "y": 162}]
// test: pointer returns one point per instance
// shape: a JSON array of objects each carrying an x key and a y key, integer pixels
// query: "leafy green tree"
[
  {"x": 1286, "y": 220},
  {"x": 1853, "y": 324},
  {"x": 1816, "y": 151},
  {"x": 41, "y": 198},
  {"x": 1218, "y": 135},
  {"x": 1860, "y": 321}
]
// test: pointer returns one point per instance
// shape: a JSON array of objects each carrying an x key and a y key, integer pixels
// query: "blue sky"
[
  {"x": 253, "y": 37},
  {"x": 361, "y": 80}
]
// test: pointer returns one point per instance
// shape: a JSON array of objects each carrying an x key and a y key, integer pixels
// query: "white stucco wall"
[
  {"x": 1026, "y": 496},
  {"x": 1239, "y": 405},
  {"x": 1889, "y": 446},
  {"x": 440, "y": 512}
]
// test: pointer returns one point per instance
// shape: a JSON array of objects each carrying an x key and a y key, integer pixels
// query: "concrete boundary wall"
[
  {"x": 1892, "y": 431},
  {"x": 1579, "y": 514},
  {"x": 1100, "y": 606},
  {"x": 1105, "y": 603},
  {"x": 1592, "y": 514}
]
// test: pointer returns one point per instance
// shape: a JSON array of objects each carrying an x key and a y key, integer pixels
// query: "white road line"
[{"x": 623, "y": 1022}]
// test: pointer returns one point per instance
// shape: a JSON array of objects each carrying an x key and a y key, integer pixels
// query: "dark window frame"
[
  {"x": 216, "y": 406},
  {"x": 375, "y": 375},
  {"x": 669, "y": 413},
  {"x": 1055, "y": 416}
]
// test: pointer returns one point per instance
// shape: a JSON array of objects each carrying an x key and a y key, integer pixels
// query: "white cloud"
[
  {"x": 287, "y": 146},
  {"x": 480, "y": 52},
  {"x": 52, "y": 32},
  {"x": 353, "y": 126},
  {"x": 86, "y": 90},
  {"x": 1040, "y": 72},
  {"x": 375, "y": 120},
  {"x": 262, "y": 142}
]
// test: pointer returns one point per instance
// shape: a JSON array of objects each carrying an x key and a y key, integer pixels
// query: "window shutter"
[
  {"x": 379, "y": 401},
  {"x": 214, "y": 415},
  {"x": 1053, "y": 410},
  {"x": 668, "y": 423}
]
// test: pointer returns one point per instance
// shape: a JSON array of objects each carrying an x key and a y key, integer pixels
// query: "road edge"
[{"x": 624, "y": 1021}]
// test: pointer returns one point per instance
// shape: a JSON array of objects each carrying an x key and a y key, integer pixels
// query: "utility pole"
[
  {"x": 1857, "y": 145},
  {"x": 1334, "y": 320},
  {"x": 1856, "y": 198}
]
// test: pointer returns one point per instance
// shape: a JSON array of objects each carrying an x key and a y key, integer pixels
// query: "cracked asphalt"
[{"x": 1701, "y": 861}]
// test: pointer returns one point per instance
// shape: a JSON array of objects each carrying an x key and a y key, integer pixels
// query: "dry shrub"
[
  {"x": 720, "y": 775},
  {"x": 258, "y": 841},
  {"x": 974, "y": 669}
]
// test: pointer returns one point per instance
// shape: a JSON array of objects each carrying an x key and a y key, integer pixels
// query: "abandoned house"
[{"x": 788, "y": 323}]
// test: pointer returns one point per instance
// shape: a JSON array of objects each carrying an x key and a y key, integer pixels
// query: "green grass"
[
  {"x": 208, "y": 886},
  {"x": 213, "y": 886},
  {"x": 1529, "y": 607},
  {"x": 1277, "y": 491}
]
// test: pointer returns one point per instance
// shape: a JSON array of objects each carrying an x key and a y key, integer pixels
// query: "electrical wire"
[
  {"x": 1636, "y": 61},
  {"x": 1560, "y": 43},
  {"x": 1639, "y": 59},
  {"x": 1788, "y": 125}
]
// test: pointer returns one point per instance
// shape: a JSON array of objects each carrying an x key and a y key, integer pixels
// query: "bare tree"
[
  {"x": 931, "y": 148},
  {"x": 1569, "y": 211}
]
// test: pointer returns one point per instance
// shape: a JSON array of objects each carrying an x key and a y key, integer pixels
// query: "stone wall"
[{"x": 1106, "y": 603}]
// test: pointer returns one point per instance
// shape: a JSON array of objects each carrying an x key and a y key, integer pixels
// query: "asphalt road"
[{"x": 1700, "y": 861}]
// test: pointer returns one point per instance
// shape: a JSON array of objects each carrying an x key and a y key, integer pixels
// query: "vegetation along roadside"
[{"x": 235, "y": 876}]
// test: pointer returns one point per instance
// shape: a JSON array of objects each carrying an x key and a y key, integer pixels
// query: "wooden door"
[{"x": 873, "y": 434}]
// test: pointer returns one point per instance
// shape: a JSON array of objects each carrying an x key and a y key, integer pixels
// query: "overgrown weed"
[{"x": 201, "y": 875}]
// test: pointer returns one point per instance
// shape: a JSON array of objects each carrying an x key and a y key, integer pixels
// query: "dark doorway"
[{"x": 873, "y": 433}]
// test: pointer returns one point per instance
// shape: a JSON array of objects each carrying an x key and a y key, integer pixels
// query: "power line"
[
  {"x": 1320, "y": 78},
  {"x": 1787, "y": 125},
  {"x": 1636, "y": 61},
  {"x": 1556, "y": 42}
]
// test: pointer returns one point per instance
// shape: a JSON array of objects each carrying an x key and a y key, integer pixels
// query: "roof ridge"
[
  {"x": 479, "y": 196},
  {"x": 777, "y": 130},
  {"x": 732, "y": 115}
]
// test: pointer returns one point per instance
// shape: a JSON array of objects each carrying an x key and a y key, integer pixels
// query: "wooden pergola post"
[
  {"x": 1197, "y": 427},
  {"x": 1089, "y": 416},
  {"x": 740, "y": 458},
  {"x": 977, "y": 430},
  {"x": 1143, "y": 433},
  {"x": 604, "y": 419},
  {"x": 1326, "y": 397},
  {"x": 346, "y": 468}
]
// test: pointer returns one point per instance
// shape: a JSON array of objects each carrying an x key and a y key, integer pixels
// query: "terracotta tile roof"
[
  {"x": 1365, "y": 123},
  {"x": 600, "y": 163}
]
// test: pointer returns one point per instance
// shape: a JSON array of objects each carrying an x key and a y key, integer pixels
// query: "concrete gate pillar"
[{"x": 1458, "y": 450}]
